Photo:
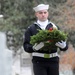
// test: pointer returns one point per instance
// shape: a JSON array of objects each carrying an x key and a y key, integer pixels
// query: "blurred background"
[{"x": 16, "y": 16}]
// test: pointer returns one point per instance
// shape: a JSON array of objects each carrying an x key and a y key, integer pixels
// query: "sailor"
[{"x": 44, "y": 62}]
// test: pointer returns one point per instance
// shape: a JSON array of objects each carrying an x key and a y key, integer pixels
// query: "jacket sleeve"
[{"x": 26, "y": 45}]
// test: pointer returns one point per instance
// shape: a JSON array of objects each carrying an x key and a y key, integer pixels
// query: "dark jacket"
[{"x": 32, "y": 30}]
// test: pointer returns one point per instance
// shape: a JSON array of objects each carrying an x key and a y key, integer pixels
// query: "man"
[{"x": 42, "y": 65}]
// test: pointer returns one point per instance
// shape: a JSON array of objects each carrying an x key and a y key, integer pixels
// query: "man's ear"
[{"x": 36, "y": 14}]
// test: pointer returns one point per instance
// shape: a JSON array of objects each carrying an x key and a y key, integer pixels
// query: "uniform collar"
[
  {"x": 49, "y": 22},
  {"x": 41, "y": 22}
]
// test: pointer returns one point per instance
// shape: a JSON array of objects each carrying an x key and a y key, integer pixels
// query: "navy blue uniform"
[{"x": 42, "y": 65}]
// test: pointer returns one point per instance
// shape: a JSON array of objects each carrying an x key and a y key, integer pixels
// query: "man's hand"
[
  {"x": 36, "y": 47},
  {"x": 61, "y": 44}
]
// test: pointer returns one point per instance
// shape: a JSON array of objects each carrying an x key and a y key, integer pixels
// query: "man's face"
[{"x": 42, "y": 15}]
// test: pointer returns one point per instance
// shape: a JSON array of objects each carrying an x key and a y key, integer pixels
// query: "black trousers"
[{"x": 46, "y": 68}]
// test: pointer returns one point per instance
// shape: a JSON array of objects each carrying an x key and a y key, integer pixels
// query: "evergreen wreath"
[{"x": 49, "y": 37}]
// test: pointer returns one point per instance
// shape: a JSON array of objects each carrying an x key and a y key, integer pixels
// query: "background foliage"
[{"x": 19, "y": 14}]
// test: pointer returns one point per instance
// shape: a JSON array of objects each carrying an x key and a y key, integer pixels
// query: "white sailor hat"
[{"x": 41, "y": 7}]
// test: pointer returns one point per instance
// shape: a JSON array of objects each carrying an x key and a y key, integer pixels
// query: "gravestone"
[
  {"x": 26, "y": 64},
  {"x": 5, "y": 57}
]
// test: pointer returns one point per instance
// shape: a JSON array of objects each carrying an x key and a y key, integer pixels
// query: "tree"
[
  {"x": 16, "y": 18},
  {"x": 18, "y": 15}
]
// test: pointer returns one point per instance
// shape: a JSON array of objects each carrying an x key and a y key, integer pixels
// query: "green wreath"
[{"x": 49, "y": 37}]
